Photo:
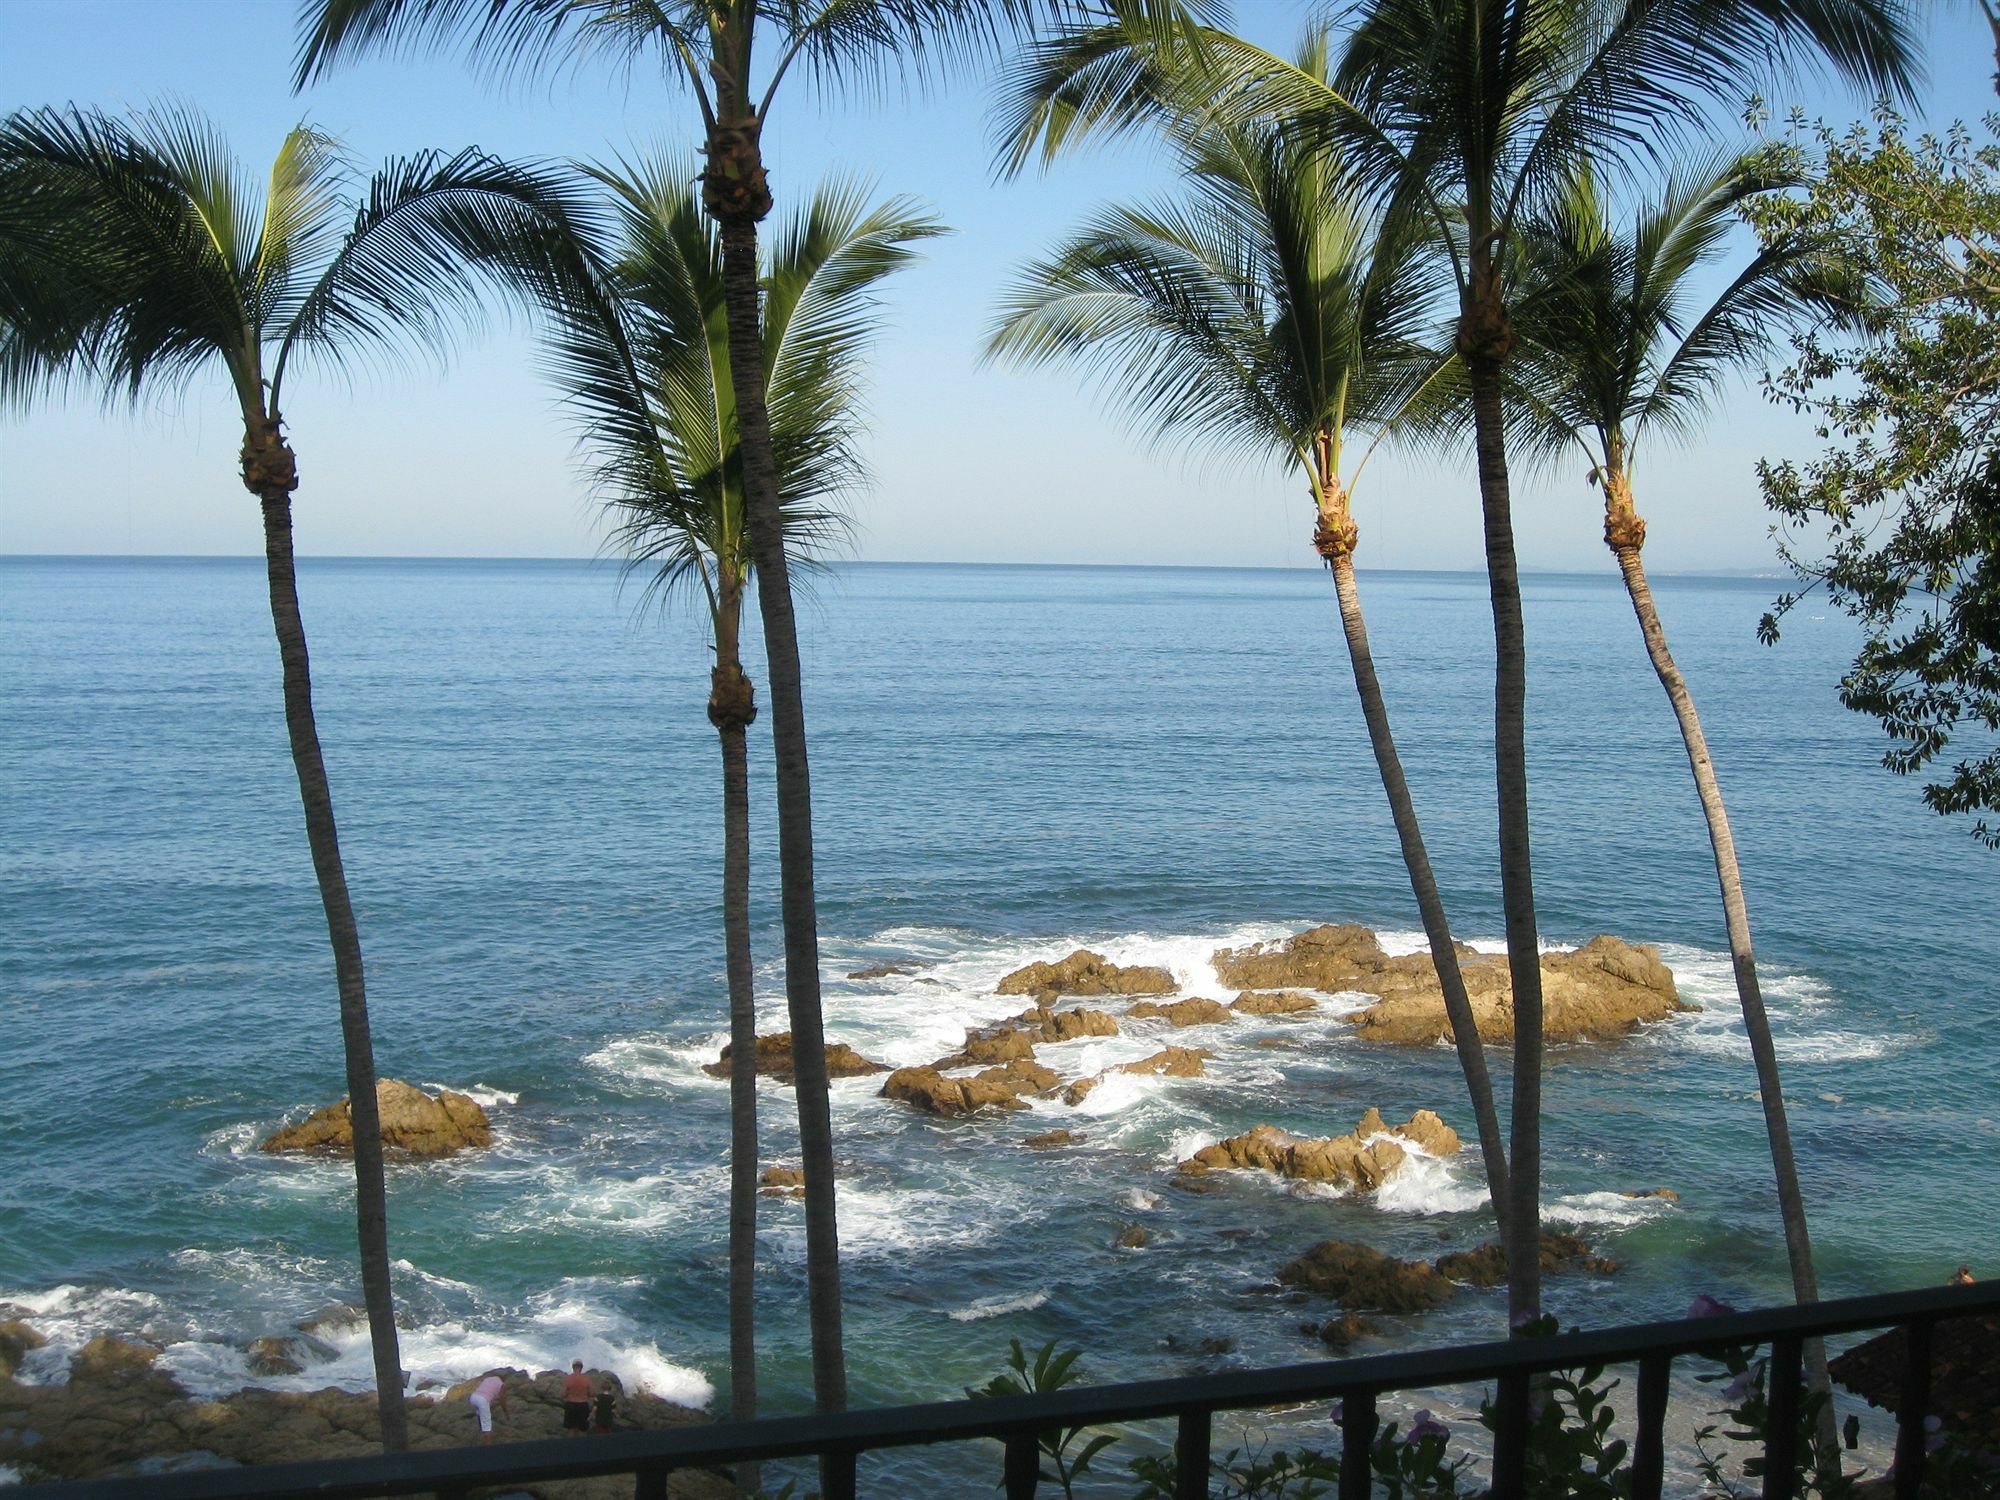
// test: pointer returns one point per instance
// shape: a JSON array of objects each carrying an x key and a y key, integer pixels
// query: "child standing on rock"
[{"x": 607, "y": 1401}]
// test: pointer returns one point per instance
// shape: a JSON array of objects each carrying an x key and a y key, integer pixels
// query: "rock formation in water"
[
  {"x": 1605, "y": 989},
  {"x": 1193, "y": 1011},
  {"x": 1363, "y": 1279},
  {"x": 1361, "y": 1160},
  {"x": 1087, "y": 973},
  {"x": 413, "y": 1124},
  {"x": 782, "y": 1182},
  {"x": 934, "y": 1094},
  {"x": 1273, "y": 1003},
  {"x": 1487, "y": 1266},
  {"x": 774, "y": 1060},
  {"x": 119, "y": 1415},
  {"x": 1172, "y": 1062}
]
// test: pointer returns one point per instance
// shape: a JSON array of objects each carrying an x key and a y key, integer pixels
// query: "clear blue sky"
[{"x": 972, "y": 464}]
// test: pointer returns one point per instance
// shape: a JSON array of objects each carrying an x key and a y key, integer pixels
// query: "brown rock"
[
  {"x": 106, "y": 1358},
  {"x": 413, "y": 1124},
  {"x": 774, "y": 1060},
  {"x": 16, "y": 1340},
  {"x": 1087, "y": 973},
  {"x": 331, "y": 1318},
  {"x": 881, "y": 971},
  {"x": 1322, "y": 958},
  {"x": 1133, "y": 1237},
  {"x": 1366, "y": 1280},
  {"x": 1046, "y": 1025},
  {"x": 1666, "y": 1193},
  {"x": 1362, "y": 1160},
  {"x": 1050, "y": 1140},
  {"x": 1193, "y": 1011},
  {"x": 1340, "y": 1332},
  {"x": 782, "y": 1182},
  {"x": 1487, "y": 1266},
  {"x": 933, "y": 1093},
  {"x": 275, "y": 1356},
  {"x": 1172, "y": 1062},
  {"x": 1273, "y": 1003}
]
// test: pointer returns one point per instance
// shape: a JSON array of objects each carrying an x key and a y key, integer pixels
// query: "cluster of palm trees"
[{"x": 1399, "y": 232}]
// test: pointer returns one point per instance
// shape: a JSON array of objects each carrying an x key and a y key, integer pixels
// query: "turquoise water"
[{"x": 1008, "y": 762}]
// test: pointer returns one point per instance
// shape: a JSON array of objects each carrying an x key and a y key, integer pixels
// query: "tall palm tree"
[
  {"x": 647, "y": 369},
  {"x": 1474, "y": 115},
  {"x": 1274, "y": 311},
  {"x": 137, "y": 254},
  {"x": 1616, "y": 343},
  {"x": 710, "y": 45}
]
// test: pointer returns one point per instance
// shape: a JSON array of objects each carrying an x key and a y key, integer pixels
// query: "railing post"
[
  {"x": 650, "y": 1483},
  {"x": 1912, "y": 1406},
  {"x": 1357, "y": 1444},
  {"x": 1024, "y": 1464},
  {"x": 1191, "y": 1455},
  {"x": 1781, "y": 1440},
  {"x": 836, "y": 1474},
  {"x": 1649, "y": 1452},
  {"x": 1510, "y": 1437}
]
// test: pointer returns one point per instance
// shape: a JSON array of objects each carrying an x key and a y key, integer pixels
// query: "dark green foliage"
[
  {"x": 1748, "y": 1419},
  {"x": 1050, "y": 1372},
  {"x": 1908, "y": 489}
]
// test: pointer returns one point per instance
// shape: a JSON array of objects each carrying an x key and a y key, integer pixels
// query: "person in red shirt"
[{"x": 576, "y": 1401}]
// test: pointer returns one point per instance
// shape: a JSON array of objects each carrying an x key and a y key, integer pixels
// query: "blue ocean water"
[{"x": 1009, "y": 762}]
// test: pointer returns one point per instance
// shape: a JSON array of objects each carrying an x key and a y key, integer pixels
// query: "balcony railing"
[{"x": 1191, "y": 1402}]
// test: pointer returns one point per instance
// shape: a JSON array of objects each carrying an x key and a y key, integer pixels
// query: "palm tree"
[
  {"x": 137, "y": 254},
  {"x": 710, "y": 46},
  {"x": 1472, "y": 115},
  {"x": 648, "y": 372},
  {"x": 1272, "y": 311},
  {"x": 1615, "y": 344}
]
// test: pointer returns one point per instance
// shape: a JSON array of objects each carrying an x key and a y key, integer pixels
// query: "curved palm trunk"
[
  {"x": 732, "y": 707},
  {"x": 1416, "y": 859},
  {"x": 1489, "y": 341},
  {"x": 271, "y": 473},
  {"x": 734, "y": 193},
  {"x": 1625, "y": 534}
]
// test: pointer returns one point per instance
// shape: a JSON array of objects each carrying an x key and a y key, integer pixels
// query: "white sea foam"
[
  {"x": 1428, "y": 1185},
  {"x": 1604, "y": 1210},
  {"x": 9, "y": 1475},
  {"x": 482, "y": 1094},
  {"x": 997, "y": 1307},
  {"x": 1139, "y": 1200},
  {"x": 70, "y": 1316},
  {"x": 893, "y": 1222}
]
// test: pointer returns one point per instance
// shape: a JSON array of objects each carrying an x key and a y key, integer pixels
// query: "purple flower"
[
  {"x": 1740, "y": 1387},
  {"x": 1706, "y": 1306},
  {"x": 1339, "y": 1412},
  {"x": 1933, "y": 1433},
  {"x": 1426, "y": 1426}
]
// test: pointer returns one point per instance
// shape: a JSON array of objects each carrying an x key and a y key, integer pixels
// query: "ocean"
[{"x": 1008, "y": 763}]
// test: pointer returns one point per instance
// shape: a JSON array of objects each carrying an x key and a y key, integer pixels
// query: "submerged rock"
[
  {"x": 882, "y": 971},
  {"x": 1363, "y": 1279},
  {"x": 286, "y": 1355},
  {"x": 1171, "y": 1062},
  {"x": 17, "y": 1341},
  {"x": 1487, "y": 1266},
  {"x": 774, "y": 1060},
  {"x": 413, "y": 1124},
  {"x": 1193, "y": 1011},
  {"x": 1051, "y": 1140},
  {"x": 1362, "y": 1160},
  {"x": 782, "y": 1182},
  {"x": 1133, "y": 1237},
  {"x": 1087, "y": 973},
  {"x": 1340, "y": 1332}
]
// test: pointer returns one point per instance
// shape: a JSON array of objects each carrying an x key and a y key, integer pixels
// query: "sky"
[{"x": 971, "y": 463}]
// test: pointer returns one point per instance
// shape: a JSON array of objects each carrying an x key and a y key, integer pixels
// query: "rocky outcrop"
[
  {"x": 1363, "y": 1279},
  {"x": 935, "y": 1094},
  {"x": 882, "y": 971},
  {"x": 1361, "y": 1160},
  {"x": 1487, "y": 1266},
  {"x": 1001, "y": 1045},
  {"x": 1340, "y": 1332},
  {"x": 1051, "y": 1140},
  {"x": 1667, "y": 1195},
  {"x": 413, "y": 1124},
  {"x": 1603, "y": 990},
  {"x": 94, "y": 1429},
  {"x": 17, "y": 1341},
  {"x": 1193, "y": 1011},
  {"x": 1044, "y": 1024},
  {"x": 1087, "y": 973},
  {"x": 1172, "y": 1062},
  {"x": 286, "y": 1355},
  {"x": 774, "y": 1060},
  {"x": 1273, "y": 1003},
  {"x": 1133, "y": 1237},
  {"x": 782, "y": 1182},
  {"x": 115, "y": 1360}
]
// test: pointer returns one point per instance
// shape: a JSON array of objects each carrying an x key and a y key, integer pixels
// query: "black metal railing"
[{"x": 1016, "y": 1421}]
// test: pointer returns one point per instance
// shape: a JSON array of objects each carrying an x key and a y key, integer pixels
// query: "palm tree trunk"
[
  {"x": 1517, "y": 883},
  {"x": 271, "y": 473},
  {"x": 732, "y": 708},
  {"x": 1416, "y": 859},
  {"x": 1625, "y": 534},
  {"x": 727, "y": 144}
]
